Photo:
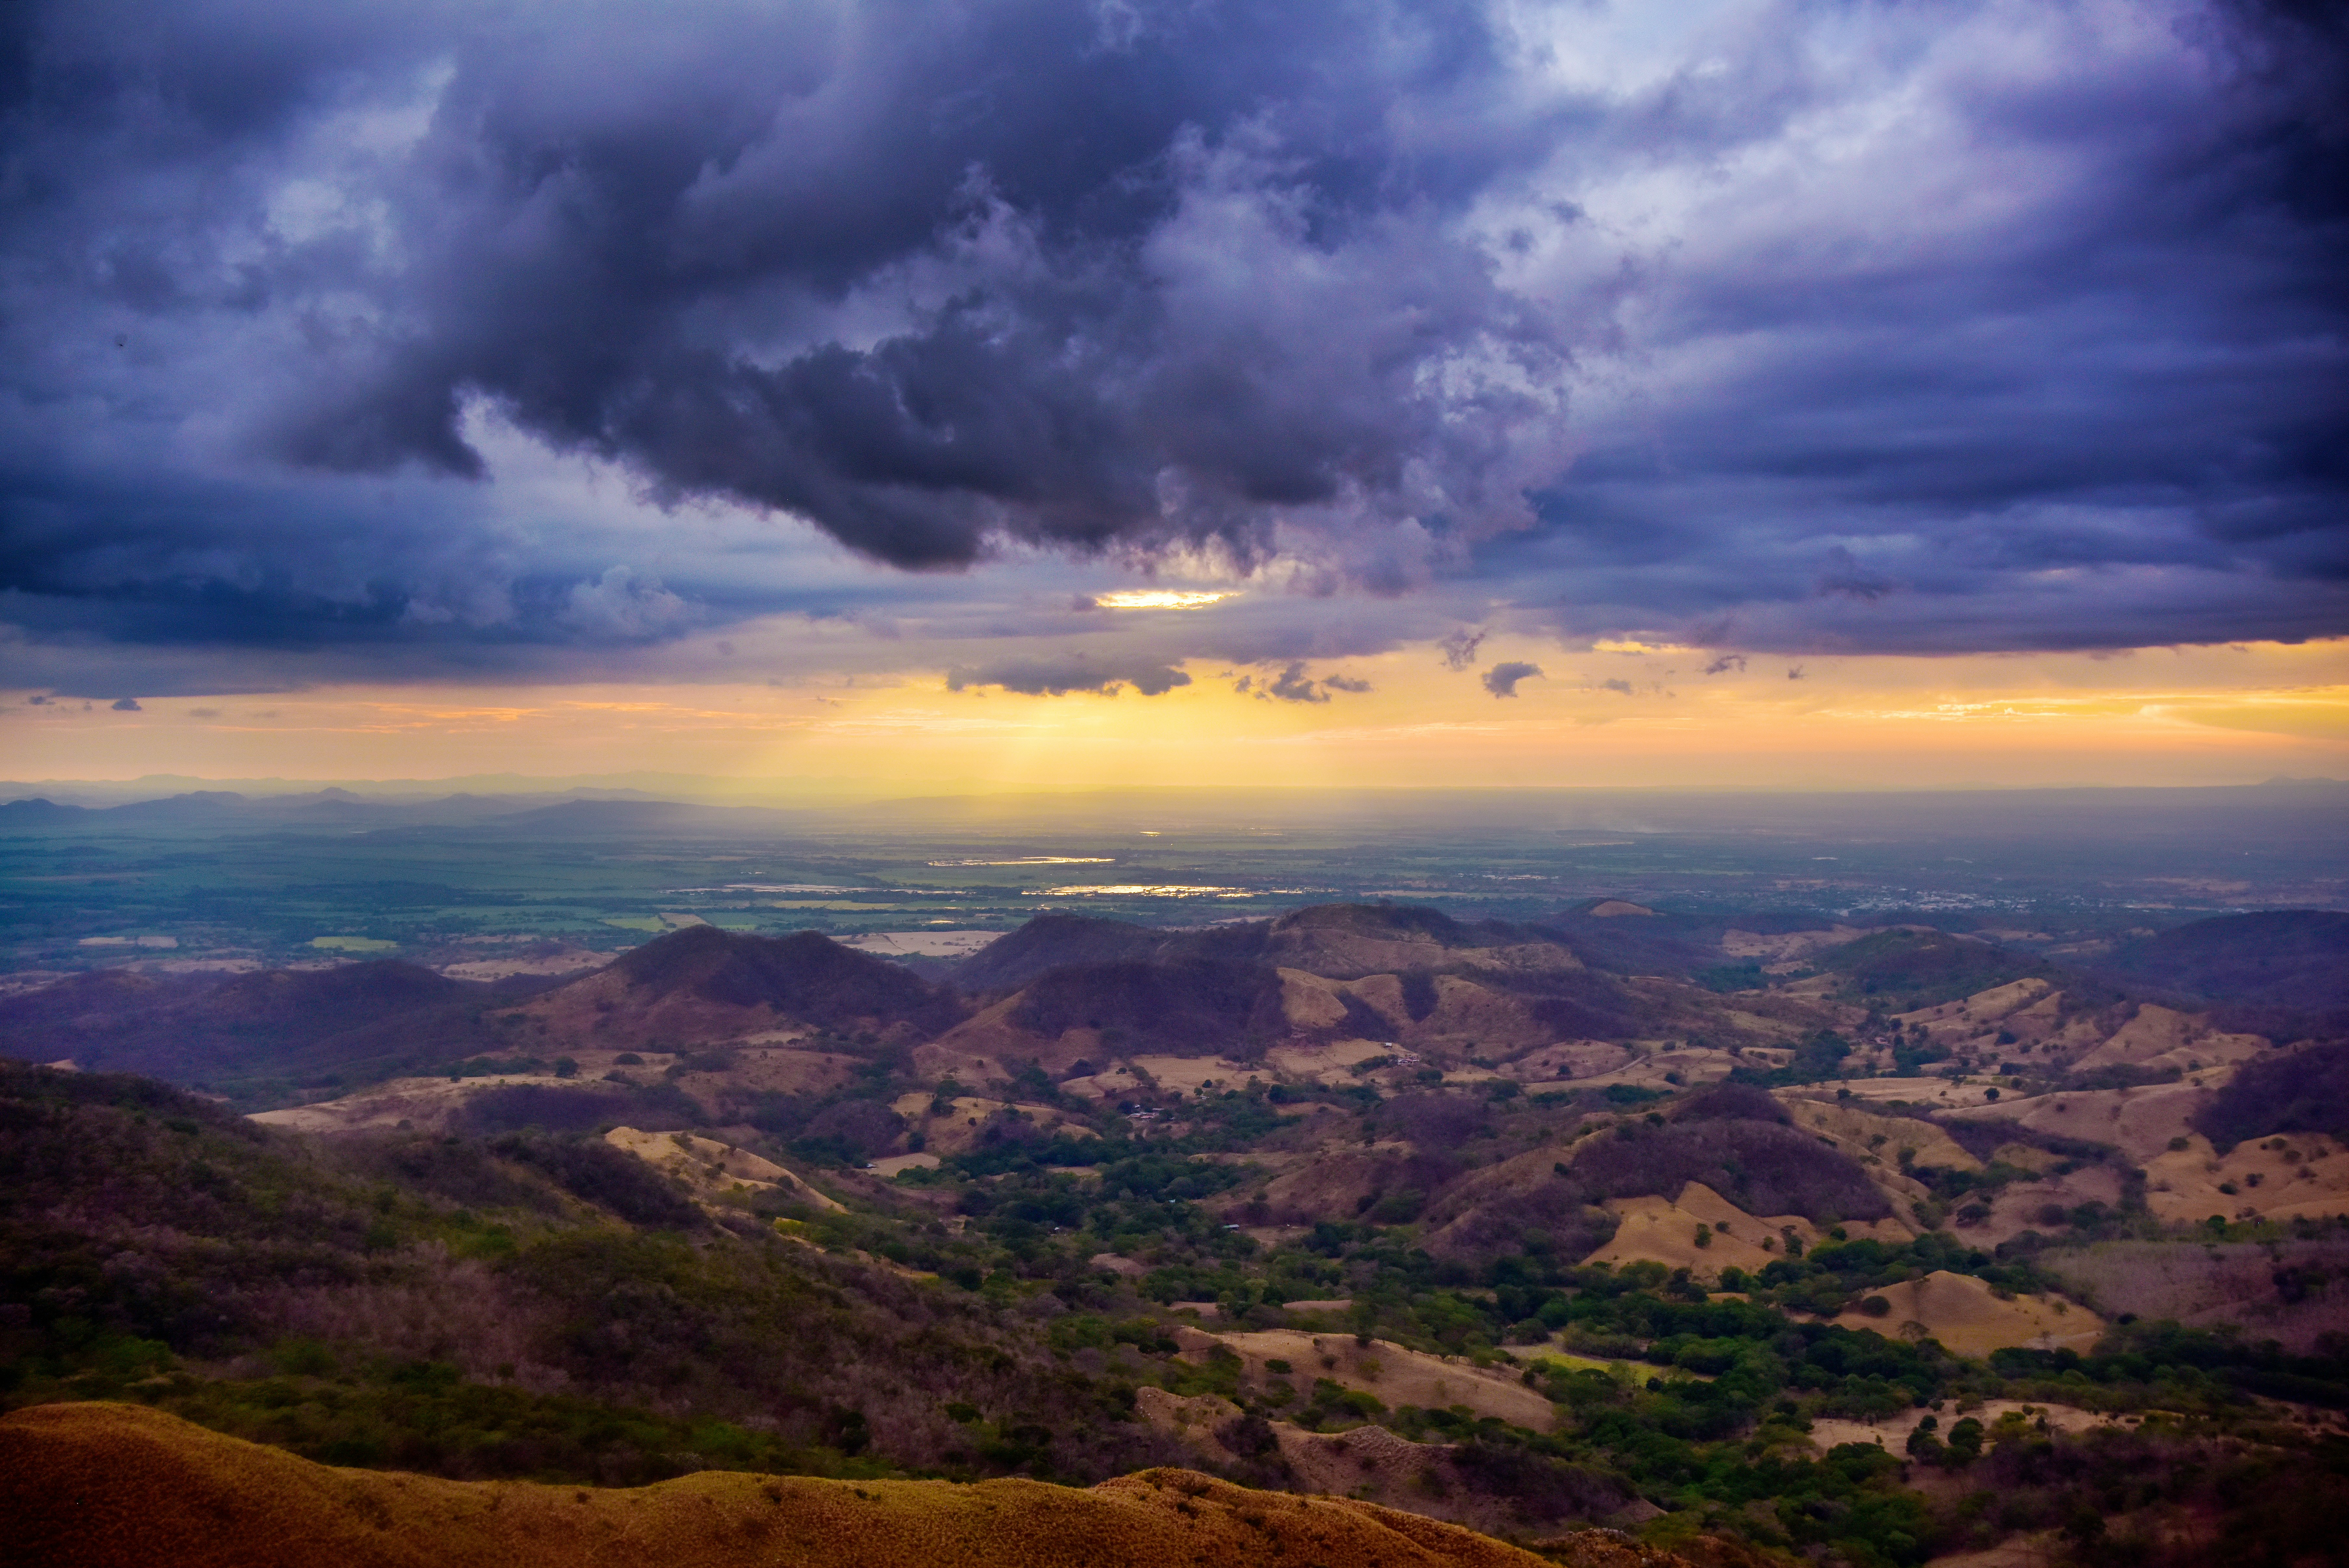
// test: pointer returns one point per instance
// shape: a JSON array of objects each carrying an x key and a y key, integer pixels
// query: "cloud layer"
[{"x": 501, "y": 336}]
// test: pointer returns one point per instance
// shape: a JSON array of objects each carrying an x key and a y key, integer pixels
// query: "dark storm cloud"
[
  {"x": 1625, "y": 336},
  {"x": 2116, "y": 415},
  {"x": 921, "y": 275}
]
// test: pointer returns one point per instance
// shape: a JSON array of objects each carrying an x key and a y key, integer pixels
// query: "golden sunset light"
[{"x": 1143, "y": 783}]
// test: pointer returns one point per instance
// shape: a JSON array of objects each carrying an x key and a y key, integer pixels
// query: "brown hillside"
[
  {"x": 1350, "y": 942},
  {"x": 347, "y": 1017},
  {"x": 702, "y": 984},
  {"x": 101, "y": 1486}
]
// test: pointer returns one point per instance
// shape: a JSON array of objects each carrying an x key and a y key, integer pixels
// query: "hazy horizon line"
[{"x": 835, "y": 791}]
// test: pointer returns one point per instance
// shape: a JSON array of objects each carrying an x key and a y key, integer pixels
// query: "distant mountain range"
[
  {"x": 1607, "y": 989},
  {"x": 2034, "y": 815}
]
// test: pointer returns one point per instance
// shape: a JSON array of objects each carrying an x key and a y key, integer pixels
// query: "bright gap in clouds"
[{"x": 1159, "y": 598}]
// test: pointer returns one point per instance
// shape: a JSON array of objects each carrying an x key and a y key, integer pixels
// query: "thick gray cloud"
[
  {"x": 1502, "y": 679},
  {"x": 1762, "y": 325}
]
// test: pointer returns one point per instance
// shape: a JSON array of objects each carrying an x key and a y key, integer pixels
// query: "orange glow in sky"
[{"x": 1619, "y": 714}]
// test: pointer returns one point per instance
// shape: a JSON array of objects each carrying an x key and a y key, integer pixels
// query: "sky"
[{"x": 978, "y": 396}]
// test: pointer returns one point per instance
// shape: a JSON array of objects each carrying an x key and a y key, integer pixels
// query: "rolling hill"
[
  {"x": 91, "y": 1485},
  {"x": 2292, "y": 959},
  {"x": 257, "y": 1036}
]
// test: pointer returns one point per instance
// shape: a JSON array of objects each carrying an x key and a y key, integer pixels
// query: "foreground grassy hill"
[{"x": 98, "y": 1486}]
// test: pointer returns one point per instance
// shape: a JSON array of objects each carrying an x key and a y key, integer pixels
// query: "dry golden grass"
[
  {"x": 1325, "y": 1063},
  {"x": 1866, "y": 1135},
  {"x": 1388, "y": 1372},
  {"x": 2309, "y": 1176},
  {"x": 1783, "y": 947},
  {"x": 981, "y": 1049},
  {"x": 103, "y": 1486},
  {"x": 2139, "y": 1122},
  {"x": 1890, "y": 1433},
  {"x": 1470, "y": 1016},
  {"x": 1962, "y": 1313},
  {"x": 1333, "y": 1184},
  {"x": 1309, "y": 1002},
  {"x": 2158, "y": 1037},
  {"x": 1193, "y": 1419},
  {"x": 769, "y": 1061},
  {"x": 1981, "y": 1014},
  {"x": 428, "y": 1105},
  {"x": 708, "y": 1167},
  {"x": 1663, "y": 1231},
  {"x": 1660, "y": 1065},
  {"x": 957, "y": 1127},
  {"x": 1567, "y": 1060}
]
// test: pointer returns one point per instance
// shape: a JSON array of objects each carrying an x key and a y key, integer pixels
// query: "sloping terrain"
[
  {"x": 1966, "y": 1316},
  {"x": 1051, "y": 941},
  {"x": 2292, "y": 1292},
  {"x": 1449, "y": 1481},
  {"x": 1761, "y": 1166},
  {"x": 435, "y": 1293},
  {"x": 2285, "y": 959},
  {"x": 1392, "y": 1374},
  {"x": 1402, "y": 1279},
  {"x": 2140, "y": 1122},
  {"x": 818, "y": 1209},
  {"x": 707, "y": 1167},
  {"x": 2306, "y": 1090},
  {"x": 1912, "y": 967},
  {"x": 1667, "y": 1230},
  {"x": 254, "y": 1034},
  {"x": 109, "y": 1484},
  {"x": 702, "y": 984},
  {"x": 2279, "y": 1178},
  {"x": 1347, "y": 941},
  {"x": 1163, "y": 1006},
  {"x": 1623, "y": 938}
]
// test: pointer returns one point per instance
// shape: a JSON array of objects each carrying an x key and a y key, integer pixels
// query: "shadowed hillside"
[
  {"x": 704, "y": 985},
  {"x": 252, "y": 1036},
  {"x": 1625, "y": 938},
  {"x": 1185, "y": 1002},
  {"x": 2305, "y": 1091},
  {"x": 1052, "y": 941},
  {"x": 1905, "y": 967},
  {"x": 430, "y": 1292},
  {"x": 807, "y": 976},
  {"x": 2296, "y": 959},
  {"x": 1762, "y": 1167}
]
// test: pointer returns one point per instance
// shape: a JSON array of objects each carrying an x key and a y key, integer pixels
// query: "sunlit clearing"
[{"x": 1159, "y": 598}]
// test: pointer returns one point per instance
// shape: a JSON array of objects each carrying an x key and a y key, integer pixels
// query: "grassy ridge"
[{"x": 104, "y": 1485}]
